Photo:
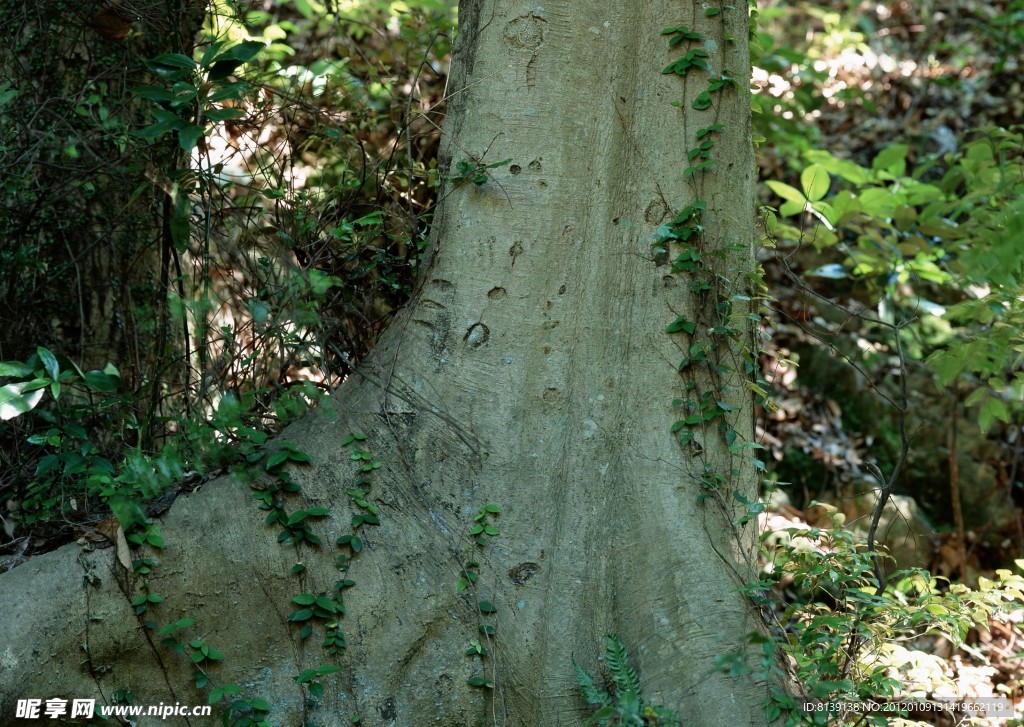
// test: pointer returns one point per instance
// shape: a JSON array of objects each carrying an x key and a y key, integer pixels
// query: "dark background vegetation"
[{"x": 191, "y": 257}]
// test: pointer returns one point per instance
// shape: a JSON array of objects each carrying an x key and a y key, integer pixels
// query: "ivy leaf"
[{"x": 682, "y": 323}]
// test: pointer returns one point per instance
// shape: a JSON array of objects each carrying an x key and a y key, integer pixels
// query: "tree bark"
[{"x": 532, "y": 371}]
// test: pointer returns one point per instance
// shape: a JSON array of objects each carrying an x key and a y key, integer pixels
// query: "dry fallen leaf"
[{"x": 124, "y": 556}]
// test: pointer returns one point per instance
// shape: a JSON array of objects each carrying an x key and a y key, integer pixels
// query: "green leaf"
[
  {"x": 243, "y": 52},
  {"x": 302, "y": 614},
  {"x": 277, "y": 459},
  {"x": 848, "y": 170},
  {"x": 217, "y": 115},
  {"x": 992, "y": 409},
  {"x": 306, "y": 675},
  {"x": 786, "y": 192},
  {"x": 708, "y": 130},
  {"x": 14, "y": 403},
  {"x": 487, "y": 607},
  {"x": 682, "y": 323},
  {"x": 703, "y": 101},
  {"x": 14, "y": 368},
  {"x": 326, "y": 604},
  {"x": 948, "y": 363},
  {"x": 304, "y": 599},
  {"x": 815, "y": 182},
  {"x": 892, "y": 159},
  {"x": 49, "y": 362},
  {"x": 101, "y": 381},
  {"x": 153, "y": 93},
  {"x": 188, "y": 136},
  {"x": 172, "y": 60}
]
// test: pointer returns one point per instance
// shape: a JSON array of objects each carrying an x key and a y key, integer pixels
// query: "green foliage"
[
  {"x": 266, "y": 277},
  {"x": 195, "y": 93},
  {"x": 246, "y": 713},
  {"x": 484, "y": 520},
  {"x": 624, "y": 705},
  {"x": 946, "y": 227},
  {"x": 310, "y": 678},
  {"x": 840, "y": 631},
  {"x": 475, "y": 171}
]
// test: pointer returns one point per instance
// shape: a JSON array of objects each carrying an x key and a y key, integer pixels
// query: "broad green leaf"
[
  {"x": 15, "y": 403},
  {"x": 892, "y": 159},
  {"x": 188, "y": 137},
  {"x": 948, "y": 363},
  {"x": 153, "y": 93},
  {"x": 277, "y": 458},
  {"x": 49, "y": 362},
  {"x": 171, "y": 60},
  {"x": 992, "y": 409},
  {"x": 101, "y": 381},
  {"x": 210, "y": 53},
  {"x": 14, "y": 368},
  {"x": 682, "y": 323},
  {"x": 815, "y": 182},
  {"x": 786, "y": 192},
  {"x": 850, "y": 171}
]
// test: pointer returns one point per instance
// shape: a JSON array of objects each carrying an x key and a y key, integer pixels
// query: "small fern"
[
  {"x": 593, "y": 695},
  {"x": 621, "y": 671},
  {"x": 627, "y": 708}
]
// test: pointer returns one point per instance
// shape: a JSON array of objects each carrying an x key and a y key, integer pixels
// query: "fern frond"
[
  {"x": 624, "y": 675},
  {"x": 592, "y": 694}
]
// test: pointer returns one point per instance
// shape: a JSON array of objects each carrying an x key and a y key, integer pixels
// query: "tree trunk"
[{"x": 532, "y": 371}]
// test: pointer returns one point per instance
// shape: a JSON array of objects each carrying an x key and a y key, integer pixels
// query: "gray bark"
[{"x": 531, "y": 371}]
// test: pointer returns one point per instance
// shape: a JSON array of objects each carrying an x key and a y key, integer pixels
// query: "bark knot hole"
[
  {"x": 656, "y": 212},
  {"x": 515, "y": 169},
  {"x": 523, "y": 572},
  {"x": 526, "y": 32},
  {"x": 497, "y": 293},
  {"x": 477, "y": 335}
]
